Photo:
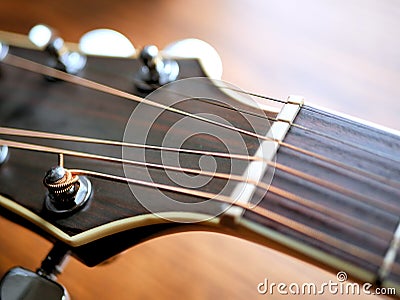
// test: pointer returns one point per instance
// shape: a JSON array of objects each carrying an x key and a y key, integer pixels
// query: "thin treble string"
[
  {"x": 249, "y": 93},
  {"x": 44, "y": 70},
  {"x": 337, "y": 216},
  {"x": 304, "y": 128},
  {"x": 261, "y": 116}
]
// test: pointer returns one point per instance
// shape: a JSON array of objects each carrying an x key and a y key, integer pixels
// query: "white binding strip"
[
  {"x": 255, "y": 171},
  {"x": 104, "y": 230},
  {"x": 390, "y": 256}
]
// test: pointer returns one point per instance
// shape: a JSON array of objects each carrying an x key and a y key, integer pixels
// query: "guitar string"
[
  {"x": 335, "y": 215},
  {"x": 263, "y": 116},
  {"x": 299, "y": 227},
  {"x": 341, "y": 245},
  {"x": 48, "y": 135},
  {"x": 253, "y": 209},
  {"x": 44, "y": 70},
  {"x": 388, "y": 207},
  {"x": 71, "y": 138},
  {"x": 237, "y": 129},
  {"x": 26, "y": 64},
  {"x": 385, "y": 181},
  {"x": 301, "y": 127}
]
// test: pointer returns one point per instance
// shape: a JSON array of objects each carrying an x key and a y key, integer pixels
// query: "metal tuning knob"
[
  {"x": 156, "y": 70},
  {"x": 23, "y": 284},
  {"x": 3, "y": 154},
  {"x": 3, "y": 50},
  {"x": 61, "y": 57},
  {"x": 67, "y": 192}
]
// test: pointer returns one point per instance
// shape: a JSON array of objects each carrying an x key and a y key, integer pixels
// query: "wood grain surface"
[{"x": 341, "y": 55}]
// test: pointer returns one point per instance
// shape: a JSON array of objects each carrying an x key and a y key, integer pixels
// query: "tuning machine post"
[
  {"x": 61, "y": 58},
  {"x": 67, "y": 192},
  {"x": 155, "y": 70}
]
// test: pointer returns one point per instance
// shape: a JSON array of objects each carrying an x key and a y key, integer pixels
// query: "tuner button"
[
  {"x": 195, "y": 48},
  {"x": 3, "y": 51},
  {"x": 45, "y": 37},
  {"x": 106, "y": 42},
  {"x": 41, "y": 35},
  {"x": 3, "y": 154},
  {"x": 155, "y": 71}
]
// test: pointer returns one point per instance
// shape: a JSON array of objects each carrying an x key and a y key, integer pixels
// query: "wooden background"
[{"x": 338, "y": 54}]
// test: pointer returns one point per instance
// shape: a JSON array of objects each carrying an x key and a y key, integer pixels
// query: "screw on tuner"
[{"x": 61, "y": 57}]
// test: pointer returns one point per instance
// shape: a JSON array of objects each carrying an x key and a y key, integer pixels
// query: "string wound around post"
[{"x": 67, "y": 192}]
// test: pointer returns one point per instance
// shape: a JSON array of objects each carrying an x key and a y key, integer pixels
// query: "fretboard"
[{"x": 347, "y": 215}]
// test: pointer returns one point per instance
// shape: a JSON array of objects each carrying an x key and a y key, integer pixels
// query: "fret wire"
[
  {"x": 360, "y": 225},
  {"x": 38, "y": 68}
]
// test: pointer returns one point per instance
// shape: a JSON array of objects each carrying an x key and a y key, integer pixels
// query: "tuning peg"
[
  {"x": 106, "y": 42},
  {"x": 67, "y": 192},
  {"x": 195, "y": 48},
  {"x": 3, "y": 153},
  {"x": 63, "y": 59},
  {"x": 156, "y": 70},
  {"x": 3, "y": 50}
]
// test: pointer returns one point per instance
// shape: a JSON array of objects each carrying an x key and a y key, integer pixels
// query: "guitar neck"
[{"x": 345, "y": 215}]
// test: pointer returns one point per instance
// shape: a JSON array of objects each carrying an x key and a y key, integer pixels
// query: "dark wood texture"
[{"x": 347, "y": 61}]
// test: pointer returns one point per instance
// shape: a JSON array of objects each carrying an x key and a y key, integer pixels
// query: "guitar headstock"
[{"x": 113, "y": 162}]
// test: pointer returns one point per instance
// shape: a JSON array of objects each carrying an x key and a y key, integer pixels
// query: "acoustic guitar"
[{"x": 100, "y": 153}]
